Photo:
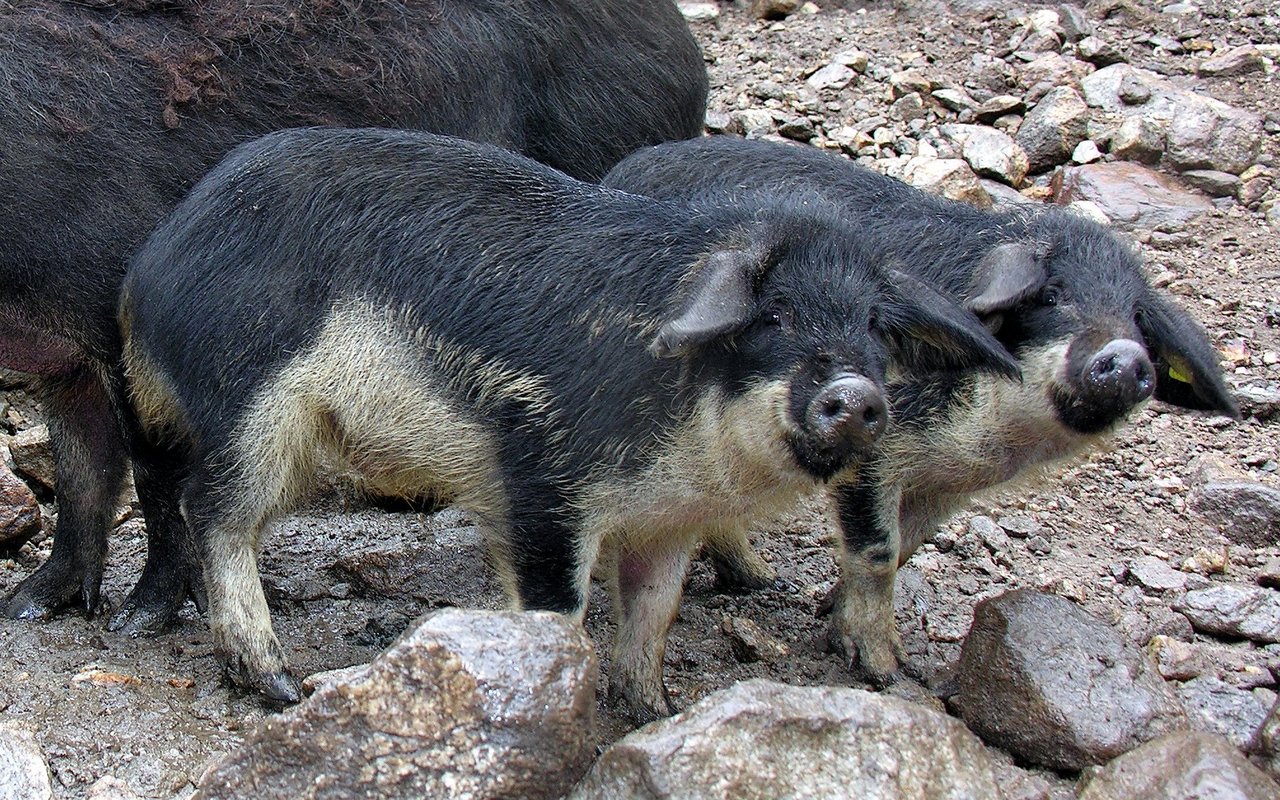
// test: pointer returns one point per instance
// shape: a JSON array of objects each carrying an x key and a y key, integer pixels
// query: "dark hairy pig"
[
  {"x": 110, "y": 112},
  {"x": 593, "y": 374},
  {"x": 1065, "y": 295}
]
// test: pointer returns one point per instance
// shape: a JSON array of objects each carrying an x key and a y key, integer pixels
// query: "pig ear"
[
  {"x": 1009, "y": 274},
  {"x": 720, "y": 302},
  {"x": 1187, "y": 372},
  {"x": 930, "y": 331}
]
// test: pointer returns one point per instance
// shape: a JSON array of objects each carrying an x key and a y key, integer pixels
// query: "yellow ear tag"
[{"x": 1178, "y": 376}]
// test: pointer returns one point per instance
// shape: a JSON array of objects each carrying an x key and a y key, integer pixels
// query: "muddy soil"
[{"x": 344, "y": 579}]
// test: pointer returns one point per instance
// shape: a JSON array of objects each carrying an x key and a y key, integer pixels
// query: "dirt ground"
[{"x": 345, "y": 581}]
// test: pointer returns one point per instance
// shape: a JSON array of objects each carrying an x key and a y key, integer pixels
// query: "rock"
[
  {"x": 908, "y": 107},
  {"x": 908, "y": 81},
  {"x": 1138, "y": 139},
  {"x": 856, "y": 60},
  {"x": 1234, "y": 610},
  {"x": 1215, "y": 706},
  {"x": 950, "y": 177},
  {"x": 1269, "y": 575},
  {"x": 1052, "y": 70},
  {"x": 819, "y": 741},
  {"x": 1201, "y": 132},
  {"x": 1236, "y": 61},
  {"x": 1183, "y": 661},
  {"x": 832, "y": 76},
  {"x": 749, "y": 641},
  {"x": 991, "y": 534},
  {"x": 799, "y": 128},
  {"x": 445, "y": 541},
  {"x": 1075, "y": 24},
  {"x": 1154, "y": 575},
  {"x": 470, "y": 704},
  {"x": 1004, "y": 196},
  {"x": 991, "y": 153},
  {"x": 1266, "y": 742},
  {"x": 1086, "y": 152},
  {"x": 1212, "y": 182},
  {"x": 1098, "y": 52},
  {"x": 1053, "y": 128},
  {"x": 774, "y": 9},
  {"x": 1019, "y": 526},
  {"x": 1039, "y": 545},
  {"x": 954, "y": 99},
  {"x": 753, "y": 122},
  {"x": 33, "y": 456},
  {"x": 24, "y": 775},
  {"x": 1255, "y": 183},
  {"x": 111, "y": 788},
  {"x": 1245, "y": 511},
  {"x": 1131, "y": 195},
  {"x": 1056, "y": 686},
  {"x": 1259, "y": 401},
  {"x": 1206, "y": 561},
  {"x": 19, "y": 510},
  {"x": 1181, "y": 766},
  {"x": 1001, "y": 105},
  {"x": 699, "y": 12}
]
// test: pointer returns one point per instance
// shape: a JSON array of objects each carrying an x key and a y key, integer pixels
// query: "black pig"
[
  {"x": 587, "y": 371},
  {"x": 1065, "y": 295},
  {"x": 110, "y": 112}
]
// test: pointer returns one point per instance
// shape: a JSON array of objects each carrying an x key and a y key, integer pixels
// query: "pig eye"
[
  {"x": 1050, "y": 296},
  {"x": 777, "y": 316}
]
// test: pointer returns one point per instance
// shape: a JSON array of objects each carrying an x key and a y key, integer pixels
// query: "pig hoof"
[
  {"x": 281, "y": 687},
  {"x": 48, "y": 591},
  {"x": 641, "y": 707},
  {"x": 136, "y": 617},
  {"x": 879, "y": 665}
]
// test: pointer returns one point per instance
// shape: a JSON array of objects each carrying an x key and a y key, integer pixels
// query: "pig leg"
[
  {"x": 172, "y": 572},
  {"x": 227, "y": 511},
  {"x": 739, "y": 568},
  {"x": 646, "y": 591},
  {"x": 862, "y": 604},
  {"x": 89, "y": 470}
]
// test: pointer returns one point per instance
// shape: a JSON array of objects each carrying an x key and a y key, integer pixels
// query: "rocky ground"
[{"x": 1160, "y": 117}]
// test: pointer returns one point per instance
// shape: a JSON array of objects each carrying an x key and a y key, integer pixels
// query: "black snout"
[
  {"x": 848, "y": 411},
  {"x": 1121, "y": 374}
]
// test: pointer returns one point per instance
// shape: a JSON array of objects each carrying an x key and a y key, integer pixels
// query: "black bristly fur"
[{"x": 111, "y": 111}]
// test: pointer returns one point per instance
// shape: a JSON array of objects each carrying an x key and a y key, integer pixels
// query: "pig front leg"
[
  {"x": 862, "y": 621},
  {"x": 647, "y": 587}
]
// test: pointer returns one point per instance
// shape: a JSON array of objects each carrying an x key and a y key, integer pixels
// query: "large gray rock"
[
  {"x": 1131, "y": 195},
  {"x": 1248, "y": 612},
  {"x": 1218, "y": 707},
  {"x": 1202, "y": 133},
  {"x": 759, "y": 740},
  {"x": 991, "y": 153},
  {"x": 1052, "y": 129},
  {"x": 19, "y": 511},
  {"x": 1236, "y": 61},
  {"x": 1181, "y": 766},
  {"x": 1245, "y": 511},
  {"x": 1052, "y": 684},
  {"x": 24, "y": 775},
  {"x": 479, "y": 704}
]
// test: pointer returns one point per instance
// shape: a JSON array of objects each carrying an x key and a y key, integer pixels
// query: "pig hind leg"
[
  {"x": 172, "y": 572},
  {"x": 89, "y": 470},
  {"x": 739, "y": 568},
  {"x": 230, "y": 498}
]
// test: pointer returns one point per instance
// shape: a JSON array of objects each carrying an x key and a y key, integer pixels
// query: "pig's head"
[
  {"x": 796, "y": 331},
  {"x": 1071, "y": 302}
]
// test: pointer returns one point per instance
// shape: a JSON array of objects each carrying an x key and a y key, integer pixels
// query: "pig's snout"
[
  {"x": 1120, "y": 373},
  {"x": 850, "y": 411}
]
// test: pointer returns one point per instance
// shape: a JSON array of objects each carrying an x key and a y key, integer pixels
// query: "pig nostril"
[
  {"x": 833, "y": 407},
  {"x": 870, "y": 416}
]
